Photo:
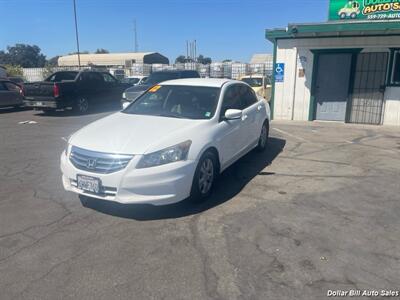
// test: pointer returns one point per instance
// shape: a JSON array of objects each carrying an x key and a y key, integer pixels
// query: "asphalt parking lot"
[{"x": 318, "y": 211}]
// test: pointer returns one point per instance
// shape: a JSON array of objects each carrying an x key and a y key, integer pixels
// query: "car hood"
[{"x": 133, "y": 134}]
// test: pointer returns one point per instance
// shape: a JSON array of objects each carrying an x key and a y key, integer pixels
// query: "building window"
[{"x": 395, "y": 78}]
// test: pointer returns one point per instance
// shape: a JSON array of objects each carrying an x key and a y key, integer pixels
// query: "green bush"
[{"x": 14, "y": 70}]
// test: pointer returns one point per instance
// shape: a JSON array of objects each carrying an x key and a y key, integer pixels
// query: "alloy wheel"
[{"x": 206, "y": 176}]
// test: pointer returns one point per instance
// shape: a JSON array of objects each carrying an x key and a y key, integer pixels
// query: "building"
[
  {"x": 113, "y": 59},
  {"x": 261, "y": 58},
  {"x": 347, "y": 69}
]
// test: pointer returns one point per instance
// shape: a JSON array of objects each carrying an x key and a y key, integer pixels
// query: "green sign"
[{"x": 374, "y": 10}]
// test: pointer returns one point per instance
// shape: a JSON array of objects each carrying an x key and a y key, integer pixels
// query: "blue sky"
[{"x": 223, "y": 29}]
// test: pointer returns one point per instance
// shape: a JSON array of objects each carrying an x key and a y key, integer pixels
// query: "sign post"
[{"x": 371, "y": 10}]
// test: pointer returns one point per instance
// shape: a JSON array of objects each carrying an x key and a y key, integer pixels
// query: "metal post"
[{"x": 76, "y": 34}]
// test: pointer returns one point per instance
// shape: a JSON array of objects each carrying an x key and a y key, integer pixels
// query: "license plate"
[
  {"x": 89, "y": 184},
  {"x": 39, "y": 103}
]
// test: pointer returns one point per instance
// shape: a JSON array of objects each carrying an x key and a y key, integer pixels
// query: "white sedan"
[{"x": 168, "y": 145}]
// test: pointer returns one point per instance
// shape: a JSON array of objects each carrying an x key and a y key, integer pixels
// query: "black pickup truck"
[{"x": 79, "y": 90}]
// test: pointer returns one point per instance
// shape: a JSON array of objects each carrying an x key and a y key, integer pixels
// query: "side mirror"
[
  {"x": 125, "y": 104},
  {"x": 233, "y": 114}
]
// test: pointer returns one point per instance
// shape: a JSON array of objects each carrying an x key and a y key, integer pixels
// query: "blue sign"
[{"x": 279, "y": 72}]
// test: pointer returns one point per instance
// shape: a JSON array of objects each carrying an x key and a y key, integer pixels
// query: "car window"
[
  {"x": 60, "y": 76},
  {"x": 108, "y": 78},
  {"x": 2, "y": 87},
  {"x": 12, "y": 86},
  {"x": 232, "y": 99},
  {"x": 188, "y": 102},
  {"x": 248, "y": 96}
]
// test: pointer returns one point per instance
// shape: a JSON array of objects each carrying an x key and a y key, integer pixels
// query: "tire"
[
  {"x": 264, "y": 135},
  {"x": 81, "y": 105},
  {"x": 343, "y": 16},
  {"x": 204, "y": 177},
  {"x": 353, "y": 16}
]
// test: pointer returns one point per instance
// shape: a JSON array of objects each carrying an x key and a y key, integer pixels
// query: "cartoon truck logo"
[{"x": 351, "y": 10}]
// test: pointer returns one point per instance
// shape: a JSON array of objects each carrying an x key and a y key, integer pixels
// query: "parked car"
[
  {"x": 11, "y": 94},
  {"x": 133, "y": 92},
  {"x": 169, "y": 144},
  {"x": 72, "y": 89},
  {"x": 260, "y": 84},
  {"x": 135, "y": 80}
]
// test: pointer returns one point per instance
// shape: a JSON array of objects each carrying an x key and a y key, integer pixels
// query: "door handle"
[
  {"x": 259, "y": 107},
  {"x": 244, "y": 117}
]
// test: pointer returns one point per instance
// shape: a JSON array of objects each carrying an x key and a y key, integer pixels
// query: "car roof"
[{"x": 207, "y": 82}]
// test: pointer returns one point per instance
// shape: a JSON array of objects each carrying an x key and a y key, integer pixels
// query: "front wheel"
[
  {"x": 263, "y": 139},
  {"x": 81, "y": 105},
  {"x": 204, "y": 177}
]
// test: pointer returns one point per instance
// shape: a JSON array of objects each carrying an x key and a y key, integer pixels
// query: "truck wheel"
[{"x": 81, "y": 105}]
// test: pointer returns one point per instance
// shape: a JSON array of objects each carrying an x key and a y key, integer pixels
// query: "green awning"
[{"x": 335, "y": 29}]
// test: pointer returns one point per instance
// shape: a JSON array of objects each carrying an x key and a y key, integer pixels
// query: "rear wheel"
[
  {"x": 263, "y": 140},
  {"x": 204, "y": 177},
  {"x": 81, "y": 105}
]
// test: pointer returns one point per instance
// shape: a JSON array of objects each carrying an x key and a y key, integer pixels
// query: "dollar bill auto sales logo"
[{"x": 380, "y": 6}]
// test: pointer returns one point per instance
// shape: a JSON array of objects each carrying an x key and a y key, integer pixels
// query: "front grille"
[{"x": 98, "y": 162}]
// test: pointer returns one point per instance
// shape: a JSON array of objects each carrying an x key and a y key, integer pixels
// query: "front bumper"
[{"x": 160, "y": 185}]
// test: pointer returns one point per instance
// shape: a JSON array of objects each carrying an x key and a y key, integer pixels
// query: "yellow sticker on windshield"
[{"x": 154, "y": 88}]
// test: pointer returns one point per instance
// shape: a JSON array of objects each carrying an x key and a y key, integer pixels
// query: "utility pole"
[
  {"x": 76, "y": 34},
  {"x": 135, "y": 32}
]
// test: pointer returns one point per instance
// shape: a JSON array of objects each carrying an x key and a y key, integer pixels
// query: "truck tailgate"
[{"x": 37, "y": 90}]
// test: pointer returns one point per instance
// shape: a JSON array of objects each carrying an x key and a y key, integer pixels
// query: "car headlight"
[
  {"x": 123, "y": 95},
  {"x": 165, "y": 156}
]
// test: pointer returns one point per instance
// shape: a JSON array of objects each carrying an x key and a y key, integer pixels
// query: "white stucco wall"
[
  {"x": 392, "y": 106},
  {"x": 292, "y": 97}
]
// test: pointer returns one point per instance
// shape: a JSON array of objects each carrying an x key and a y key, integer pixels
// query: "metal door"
[
  {"x": 367, "y": 100},
  {"x": 332, "y": 86}
]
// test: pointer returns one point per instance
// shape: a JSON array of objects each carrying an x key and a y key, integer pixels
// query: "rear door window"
[
  {"x": 2, "y": 87},
  {"x": 12, "y": 87}
]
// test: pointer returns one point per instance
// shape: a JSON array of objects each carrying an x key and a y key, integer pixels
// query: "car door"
[
  {"x": 254, "y": 113},
  {"x": 10, "y": 94},
  {"x": 113, "y": 89},
  {"x": 231, "y": 133}
]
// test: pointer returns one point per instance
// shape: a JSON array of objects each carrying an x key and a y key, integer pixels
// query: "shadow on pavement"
[
  {"x": 103, "y": 108},
  {"x": 231, "y": 182},
  {"x": 5, "y": 110}
]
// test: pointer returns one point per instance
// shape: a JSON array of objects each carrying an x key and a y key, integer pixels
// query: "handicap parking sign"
[{"x": 279, "y": 72}]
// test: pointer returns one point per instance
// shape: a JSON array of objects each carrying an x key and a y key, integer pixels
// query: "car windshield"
[
  {"x": 186, "y": 102},
  {"x": 253, "y": 82},
  {"x": 160, "y": 77},
  {"x": 60, "y": 76}
]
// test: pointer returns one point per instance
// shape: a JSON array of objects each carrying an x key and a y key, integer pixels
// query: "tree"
[
  {"x": 101, "y": 51},
  {"x": 227, "y": 60},
  {"x": 181, "y": 59},
  {"x": 204, "y": 60},
  {"x": 26, "y": 56}
]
